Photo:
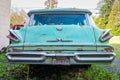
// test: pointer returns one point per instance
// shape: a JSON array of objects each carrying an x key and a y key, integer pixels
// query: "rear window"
[{"x": 58, "y": 19}]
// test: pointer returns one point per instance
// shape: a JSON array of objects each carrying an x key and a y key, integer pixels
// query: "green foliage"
[
  {"x": 96, "y": 72},
  {"x": 110, "y": 16},
  {"x": 3, "y": 66},
  {"x": 18, "y": 16},
  {"x": 105, "y": 10},
  {"x": 100, "y": 23},
  {"x": 10, "y": 71},
  {"x": 51, "y": 3},
  {"x": 117, "y": 50},
  {"x": 113, "y": 18},
  {"x": 20, "y": 72}
]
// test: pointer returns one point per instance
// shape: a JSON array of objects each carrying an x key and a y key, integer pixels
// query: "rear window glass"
[{"x": 59, "y": 19}]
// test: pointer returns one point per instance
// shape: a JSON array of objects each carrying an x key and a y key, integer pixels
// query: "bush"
[{"x": 96, "y": 72}]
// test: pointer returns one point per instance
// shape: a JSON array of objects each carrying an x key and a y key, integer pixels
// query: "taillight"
[
  {"x": 109, "y": 49},
  {"x": 13, "y": 36},
  {"x": 105, "y": 36},
  {"x": 106, "y": 49}
]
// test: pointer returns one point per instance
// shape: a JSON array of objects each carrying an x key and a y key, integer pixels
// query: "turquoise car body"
[{"x": 60, "y": 39}]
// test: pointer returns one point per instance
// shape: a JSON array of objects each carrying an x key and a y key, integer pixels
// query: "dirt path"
[
  {"x": 115, "y": 67},
  {"x": 116, "y": 62}
]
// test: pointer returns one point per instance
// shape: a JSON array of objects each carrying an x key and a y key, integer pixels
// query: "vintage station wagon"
[{"x": 60, "y": 37}]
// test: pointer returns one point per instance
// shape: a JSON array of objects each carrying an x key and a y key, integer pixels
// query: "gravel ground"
[
  {"x": 116, "y": 62},
  {"x": 115, "y": 66}
]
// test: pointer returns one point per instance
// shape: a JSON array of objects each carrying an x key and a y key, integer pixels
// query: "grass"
[
  {"x": 95, "y": 72},
  {"x": 3, "y": 66},
  {"x": 115, "y": 42},
  {"x": 116, "y": 50},
  {"x": 10, "y": 71},
  {"x": 99, "y": 72}
]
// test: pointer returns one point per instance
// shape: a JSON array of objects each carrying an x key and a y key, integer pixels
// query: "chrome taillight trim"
[
  {"x": 17, "y": 39},
  {"x": 103, "y": 38}
]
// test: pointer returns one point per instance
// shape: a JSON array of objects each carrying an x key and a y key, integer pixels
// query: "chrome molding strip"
[{"x": 78, "y": 56}]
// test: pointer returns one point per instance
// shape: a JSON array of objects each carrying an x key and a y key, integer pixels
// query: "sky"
[{"x": 35, "y": 4}]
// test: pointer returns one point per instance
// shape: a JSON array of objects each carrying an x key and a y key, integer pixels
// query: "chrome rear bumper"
[{"x": 75, "y": 57}]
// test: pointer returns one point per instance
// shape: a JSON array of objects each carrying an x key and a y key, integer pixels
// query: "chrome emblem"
[{"x": 59, "y": 28}]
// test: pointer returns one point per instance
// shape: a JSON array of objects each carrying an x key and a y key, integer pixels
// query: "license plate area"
[{"x": 61, "y": 60}]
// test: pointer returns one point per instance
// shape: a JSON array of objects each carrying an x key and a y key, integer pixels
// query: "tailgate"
[{"x": 60, "y": 37}]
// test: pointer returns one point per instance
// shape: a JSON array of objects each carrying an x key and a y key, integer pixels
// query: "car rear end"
[{"x": 63, "y": 37}]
